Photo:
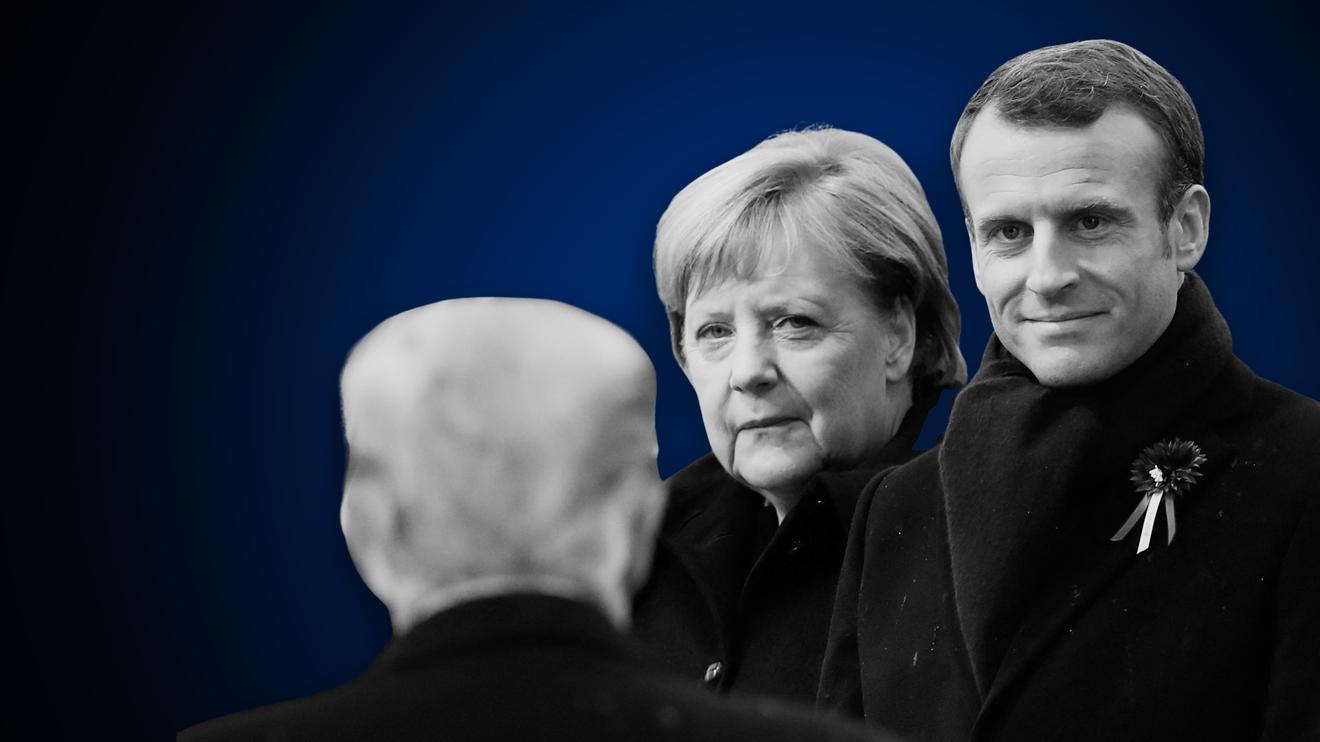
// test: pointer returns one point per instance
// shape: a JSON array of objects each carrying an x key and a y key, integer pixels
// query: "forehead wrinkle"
[
  {"x": 1084, "y": 172},
  {"x": 774, "y": 295},
  {"x": 1063, "y": 183}
]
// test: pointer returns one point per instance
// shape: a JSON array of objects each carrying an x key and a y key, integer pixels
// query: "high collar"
[
  {"x": 507, "y": 620},
  {"x": 900, "y": 448},
  {"x": 706, "y": 501},
  {"x": 1033, "y": 476},
  {"x": 712, "y": 522},
  {"x": 1161, "y": 386}
]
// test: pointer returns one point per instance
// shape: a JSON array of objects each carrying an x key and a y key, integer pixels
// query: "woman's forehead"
[
  {"x": 801, "y": 274},
  {"x": 747, "y": 255}
]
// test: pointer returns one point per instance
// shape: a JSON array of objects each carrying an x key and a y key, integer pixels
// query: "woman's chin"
[{"x": 776, "y": 473}]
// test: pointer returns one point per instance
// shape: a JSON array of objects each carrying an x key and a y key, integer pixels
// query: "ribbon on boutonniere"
[{"x": 1161, "y": 473}]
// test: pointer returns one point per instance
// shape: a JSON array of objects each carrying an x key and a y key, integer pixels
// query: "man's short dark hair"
[{"x": 1072, "y": 85}]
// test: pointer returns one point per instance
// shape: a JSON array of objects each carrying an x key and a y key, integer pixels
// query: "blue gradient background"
[{"x": 211, "y": 205}]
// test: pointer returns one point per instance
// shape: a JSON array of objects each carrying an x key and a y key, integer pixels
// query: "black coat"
[
  {"x": 517, "y": 668},
  {"x": 734, "y": 602},
  {"x": 961, "y": 616}
]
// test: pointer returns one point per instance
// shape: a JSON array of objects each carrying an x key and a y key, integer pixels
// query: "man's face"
[{"x": 1067, "y": 245}]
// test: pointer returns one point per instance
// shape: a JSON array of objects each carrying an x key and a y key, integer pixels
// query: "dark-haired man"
[{"x": 1118, "y": 537}]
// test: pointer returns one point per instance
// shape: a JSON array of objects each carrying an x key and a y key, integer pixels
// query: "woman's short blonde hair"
[{"x": 823, "y": 189}]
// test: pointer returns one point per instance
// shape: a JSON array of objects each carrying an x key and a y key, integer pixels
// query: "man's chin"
[{"x": 1070, "y": 372}]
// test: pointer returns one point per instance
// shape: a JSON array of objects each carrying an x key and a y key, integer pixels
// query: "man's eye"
[
  {"x": 1008, "y": 232},
  {"x": 1090, "y": 223}
]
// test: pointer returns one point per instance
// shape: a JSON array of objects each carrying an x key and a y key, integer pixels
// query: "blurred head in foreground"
[{"x": 499, "y": 445}]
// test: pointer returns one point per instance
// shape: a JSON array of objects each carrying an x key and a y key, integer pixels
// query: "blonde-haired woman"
[{"x": 808, "y": 300}]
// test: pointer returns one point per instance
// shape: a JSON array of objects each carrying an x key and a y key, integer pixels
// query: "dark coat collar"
[
  {"x": 1029, "y": 476},
  {"x": 706, "y": 503},
  {"x": 480, "y": 625},
  {"x": 843, "y": 487},
  {"x": 711, "y": 519}
]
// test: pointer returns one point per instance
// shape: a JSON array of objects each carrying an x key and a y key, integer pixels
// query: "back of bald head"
[{"x": 498, "y": 438}]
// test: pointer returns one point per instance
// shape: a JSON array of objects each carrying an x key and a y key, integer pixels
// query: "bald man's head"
[{"x": 498, "y": 438}]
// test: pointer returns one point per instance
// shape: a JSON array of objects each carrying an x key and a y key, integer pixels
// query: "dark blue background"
[{"x": 211, "y": 205}]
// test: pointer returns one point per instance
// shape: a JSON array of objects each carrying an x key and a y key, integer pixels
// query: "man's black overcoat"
[
  {"x": 522, "y": 667},
  {"x": 998, "y": 607}
]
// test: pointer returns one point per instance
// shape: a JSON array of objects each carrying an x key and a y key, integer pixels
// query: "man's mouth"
[{"x": 1058, "y": 318}]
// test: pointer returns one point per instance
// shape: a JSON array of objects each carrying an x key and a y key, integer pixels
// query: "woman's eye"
[
  {"x": 713, "y": 332},
  {"x": 795, "y": 322}
]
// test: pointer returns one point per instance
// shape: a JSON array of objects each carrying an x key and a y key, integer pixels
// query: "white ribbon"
[{"x": 1150, "y": 507}]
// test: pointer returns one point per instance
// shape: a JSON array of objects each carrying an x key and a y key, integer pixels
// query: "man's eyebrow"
[
  {"x": 1107, "y": 207},
  {"x": 987, "y": 224},
  {"x": 1100, "y": 206}
]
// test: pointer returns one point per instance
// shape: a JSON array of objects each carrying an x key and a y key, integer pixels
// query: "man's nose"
[
  {"x": 1053, "y": 266},
  {"x": 753, "y": 364}
]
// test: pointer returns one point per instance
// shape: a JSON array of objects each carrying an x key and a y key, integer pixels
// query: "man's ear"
[
  {"x": 647, "y": 515},
  {"x": 369, "y": 515},
  {"x": 971, "y": 242},
  {"x": 1189, "y": 227},
  {"x": 902, "y": 326}
]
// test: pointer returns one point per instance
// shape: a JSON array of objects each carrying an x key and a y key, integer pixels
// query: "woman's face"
[{"x": 796, "y": 370}]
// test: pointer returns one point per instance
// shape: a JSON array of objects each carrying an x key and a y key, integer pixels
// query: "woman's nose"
[{"x": 752, "y": 365}]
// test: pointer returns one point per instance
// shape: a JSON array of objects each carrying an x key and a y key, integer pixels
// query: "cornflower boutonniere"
[{"x": 1161, "y": 473}]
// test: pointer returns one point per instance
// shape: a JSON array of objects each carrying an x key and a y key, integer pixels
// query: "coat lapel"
[
  {"x": 1054, "y": 608},
  {"x": 1009, "y": 514}
]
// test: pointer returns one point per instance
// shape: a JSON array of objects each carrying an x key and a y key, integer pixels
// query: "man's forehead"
[
  {"x": 1118, "y": 124},
  {"x": 1117, "y": 156}
]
